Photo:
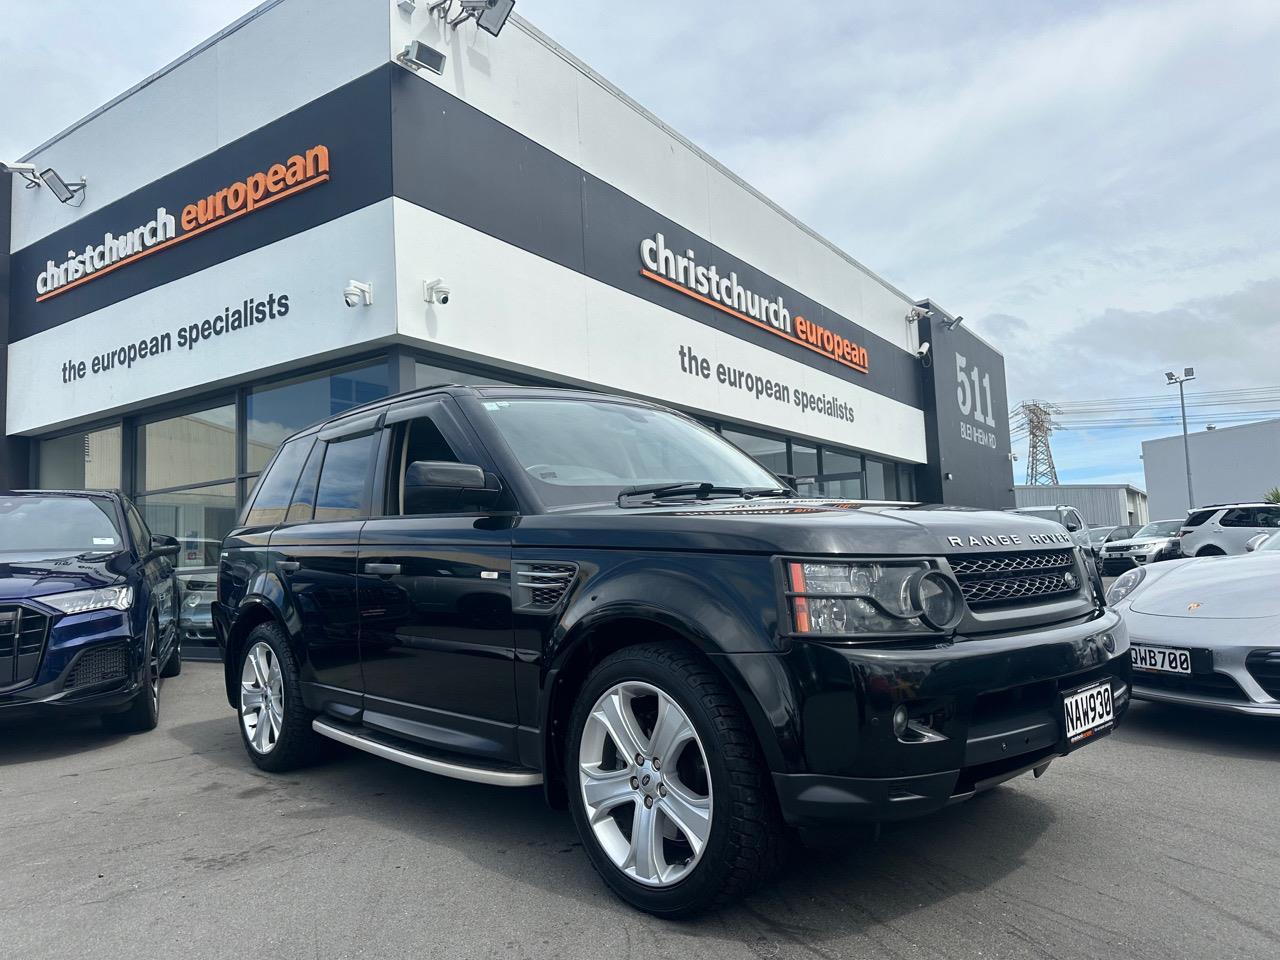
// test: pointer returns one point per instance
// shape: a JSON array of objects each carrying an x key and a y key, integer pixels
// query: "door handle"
[
  {"x": 289, "y": 566},
  {"x": 383, "y": 569}
]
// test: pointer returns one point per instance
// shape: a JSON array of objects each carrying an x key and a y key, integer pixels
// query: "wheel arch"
[
  {"x": 252, "y": 612},
  {"x": 590, "y": 642}
]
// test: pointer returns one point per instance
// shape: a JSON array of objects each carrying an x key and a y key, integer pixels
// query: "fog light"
[{"x": 900, "y": 720}]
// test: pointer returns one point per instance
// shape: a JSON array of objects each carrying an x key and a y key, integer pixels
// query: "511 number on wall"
[{"x": 970, "y": 387}]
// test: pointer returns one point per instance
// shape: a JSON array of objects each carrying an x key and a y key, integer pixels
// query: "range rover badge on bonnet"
[{"x": 1010, "y": 540}]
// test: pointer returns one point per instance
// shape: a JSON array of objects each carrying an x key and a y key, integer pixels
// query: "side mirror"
[
  {"x": 1256, "y": 542},
  {"x": 163, "y": 545},
  {"x": 433, "y": 486}
]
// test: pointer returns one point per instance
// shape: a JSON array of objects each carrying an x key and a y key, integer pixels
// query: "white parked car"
[
  {"x": 1221, "y": 529},
  {"x": 1206, "y": 633}
]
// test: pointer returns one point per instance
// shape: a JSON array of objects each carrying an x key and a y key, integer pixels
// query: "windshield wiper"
[{"x": 698, "y": 490}]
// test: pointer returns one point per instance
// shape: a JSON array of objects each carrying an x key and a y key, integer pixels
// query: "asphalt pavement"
[{"x": 1161, "y": 841}]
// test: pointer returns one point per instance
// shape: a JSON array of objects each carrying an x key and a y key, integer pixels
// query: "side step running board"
[{"x": 496, "y": 778}]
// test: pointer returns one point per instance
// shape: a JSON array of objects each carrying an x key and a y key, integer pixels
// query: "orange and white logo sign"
[
  {"x": 707, "y": 284},
  {"x": 300, "y": 172}
]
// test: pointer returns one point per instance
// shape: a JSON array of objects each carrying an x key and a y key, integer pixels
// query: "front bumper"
[
  {"x": 67, "y": 682},
  {"x": 984, "y": 710},
  {"x": 1222, "y": 677}
]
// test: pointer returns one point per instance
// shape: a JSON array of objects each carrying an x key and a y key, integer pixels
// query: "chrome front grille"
[
  {"x": 22, "y": 635},
  {"x": 992, "y": 579}
]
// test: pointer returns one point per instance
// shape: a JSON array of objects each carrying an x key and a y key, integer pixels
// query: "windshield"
[
  {"x": 42, "y": 527},
  {"x": 1098, "y": 534},
  {"x": 1161, "y": 528},
  {"x": 578, "y": 452}
]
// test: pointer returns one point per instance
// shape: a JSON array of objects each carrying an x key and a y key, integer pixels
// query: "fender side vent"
[{"x": 540, "y": 586}]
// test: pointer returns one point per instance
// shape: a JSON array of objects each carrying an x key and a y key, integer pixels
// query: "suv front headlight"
[
  {"x": 879, "y": 597},
  {"x": 83, "y": 601}
]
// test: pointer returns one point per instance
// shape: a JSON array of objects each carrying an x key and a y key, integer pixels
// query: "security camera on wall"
[
  {"x": 434, "y": 291},
  {"x": 357, "y": 294}
]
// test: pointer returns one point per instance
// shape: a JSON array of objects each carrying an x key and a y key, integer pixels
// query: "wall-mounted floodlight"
[
  {"x": 408, "y": 6},
  {"x": 64, "y": 191},
  {"x": 418, "y": 56},
  {"x": 27, "y": 171},
  {"x": 952, "y": 322}
]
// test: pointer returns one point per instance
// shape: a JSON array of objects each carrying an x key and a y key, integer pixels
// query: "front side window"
[
  {"x": 578, "y": 452},
  {"x": 421, "y": 440},
  {"x": 343, "y": 492},
  {"x": 41, "y": 528}
]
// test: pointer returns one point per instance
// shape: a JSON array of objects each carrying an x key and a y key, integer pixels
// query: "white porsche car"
[{"x": 1205, "y": 632}]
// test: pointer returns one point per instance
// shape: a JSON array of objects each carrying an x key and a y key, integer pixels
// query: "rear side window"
[
  {"x": 303, "y": 505},
  {"x": 1240, "y": 517},
  {"x": 276, "y": 486},
  {"x": 343, "y": 493},
  {"x": 1198, "y": 517}
]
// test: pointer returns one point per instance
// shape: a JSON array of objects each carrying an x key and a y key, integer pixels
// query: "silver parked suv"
[{"x": 1225, "y": 528}]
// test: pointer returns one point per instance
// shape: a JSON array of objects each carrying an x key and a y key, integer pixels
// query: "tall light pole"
[{"x": 1189, "y": 373}]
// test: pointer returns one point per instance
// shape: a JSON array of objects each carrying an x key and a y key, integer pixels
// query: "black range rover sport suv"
[{"x": 597, "y": 595}]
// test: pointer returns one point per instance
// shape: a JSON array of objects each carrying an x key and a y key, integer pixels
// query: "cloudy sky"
[{"x": 1095, "y": 186}]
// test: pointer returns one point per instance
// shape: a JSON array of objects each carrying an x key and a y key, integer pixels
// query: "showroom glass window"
[
  {"x": 81, "y": 461},
  {"x": 277, "y": 410},
  {"x": 769, "y": 452},
  {"x": 185, "y": 477},
  {"x": 430, "y": 375},
  {"x": 842, "y": 474}
]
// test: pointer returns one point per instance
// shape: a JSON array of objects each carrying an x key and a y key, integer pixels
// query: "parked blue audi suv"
[{"x": 88, "y": 608}]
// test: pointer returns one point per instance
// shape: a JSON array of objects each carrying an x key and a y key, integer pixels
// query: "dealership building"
[{"x": 295, "y": 218}]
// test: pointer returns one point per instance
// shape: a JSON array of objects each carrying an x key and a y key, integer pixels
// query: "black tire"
[
  {"x": 297, "y": 745},
  {"x": 143, "y": 712},
  {"x": 745, "y": 842},
  {"x": 173, "y": 665},
  {"x": 1211, "y": 551}
]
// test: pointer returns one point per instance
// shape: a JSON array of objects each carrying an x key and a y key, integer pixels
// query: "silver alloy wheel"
[
  {"x": 643, "y": 774},
  {"x": 262, "y": 698},
  {"x": 153, "y": 668}
]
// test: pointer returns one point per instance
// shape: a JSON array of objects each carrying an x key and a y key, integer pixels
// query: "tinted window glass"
[
  {"x": 199, "y": 518},
  {"x": 81, "y": 461},
  {"x": 1240, "y": 517},
  {"x": 303, "y": 505},
  {"x": 768, "y": 451},
  {"x": 877, "y": 481},
  {"x": 277, "y": 411},
  {"x": 138, "y": 529},
  {"x": 343, "y": 492},
  {"x": 1199, "y": 517},
  {"x": 1269, "y": 517},
  {"x": 188, "y": 449},
  {"x": 424, "y": 441},
  {"x": 804, "y": 460},
  {"x": 276, "y": 486}
]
